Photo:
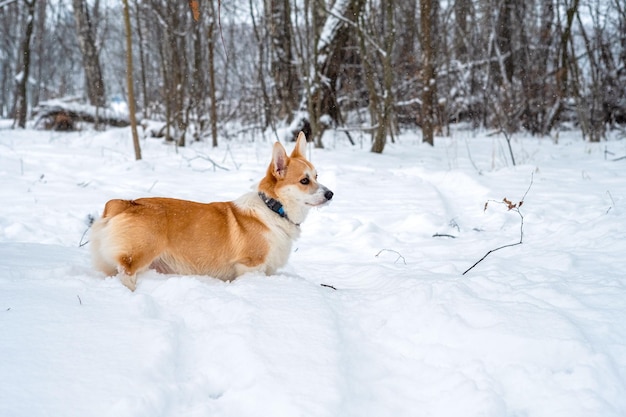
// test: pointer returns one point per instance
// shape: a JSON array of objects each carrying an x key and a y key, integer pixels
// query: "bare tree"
[
  {"x": 21, "y": 106},
  {"x": 321, "y": 98},
  {"x": 129, "y": 81},
  {"x": 380, "y": 98},
  {"x": 427, "y": 16},
  {"x": 211, "y": 63},
  {"x": 498, "y": 64},
  {"x": 260, "y": 35},
  {"x": 10, "y": 15},
  {"x": 91, "y": 60},
  {"x": 142, "y": 58},
  {"x": 172, "y": 34},
  {"x": 282, "y": 63}
]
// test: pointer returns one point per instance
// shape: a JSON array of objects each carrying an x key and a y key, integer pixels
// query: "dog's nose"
[{"x": 328, "y": 194}]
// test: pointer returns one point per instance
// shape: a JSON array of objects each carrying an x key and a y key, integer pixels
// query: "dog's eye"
[{"x": 305, "y": 181}]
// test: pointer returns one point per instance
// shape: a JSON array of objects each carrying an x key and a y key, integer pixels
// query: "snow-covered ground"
[{"x": 537, "y": 329}]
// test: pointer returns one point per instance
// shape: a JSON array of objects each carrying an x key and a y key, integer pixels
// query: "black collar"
[{"x": 275, "y": 206}]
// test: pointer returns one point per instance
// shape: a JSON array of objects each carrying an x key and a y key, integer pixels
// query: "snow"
[{"x": 534, "y": 330}]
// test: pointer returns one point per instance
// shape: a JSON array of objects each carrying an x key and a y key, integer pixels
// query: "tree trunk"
[
  {"x": 504, "y": 41},
  {"x": 91, "y": 60},
  {"x": 385, "y": 121},
  {"x": 174, "y": 67},
  {"x": 129, "y": 81},
  {"x": 142, "y": 62},
  {"x": 461, "y": 13},
  {"x": 21, "y": 96},
  {"x": 562, "y": 74},
  {"x": 198, "y": 83},
  {"x": 211, "y": 59},
  {"x": 428, "y": 71},
  {"x": 324, "y": 73},
  {"x": 40, "y": 51},
  {"x": 265, "y": 99},
  {"x": 282, "y": 60}
]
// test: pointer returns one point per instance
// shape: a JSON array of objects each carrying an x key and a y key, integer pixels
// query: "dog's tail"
[{"x": 114, "y": 207}]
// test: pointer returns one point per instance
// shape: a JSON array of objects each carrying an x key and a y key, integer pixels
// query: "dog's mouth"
[
  {"x": 321, "y": 203},
  {"x": 328, "y": 195}
]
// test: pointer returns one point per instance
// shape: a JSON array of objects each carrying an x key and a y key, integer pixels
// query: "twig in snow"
[
  {"x": 88, "y": 221},
  {"x": 607, "y": 152},
  {"x": 79, "y": 300},
  {"x": 444, "y": 235},
  {"x": 611, "y": 197},
  {"x": 232, "y": 157},
  {"x": 511, "y": 206},
  {"x": 328, "y": 286},
  {"x": 152, "y": 186},
  {"x": 469, "y": 155},
  {"x": 394, "y": 251},
  {"x": 207, "y": 158},
  {"x": 507, "y": 136}
]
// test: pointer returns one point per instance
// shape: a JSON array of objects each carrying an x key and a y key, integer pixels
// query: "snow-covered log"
[{"x": 63, "y": 115}]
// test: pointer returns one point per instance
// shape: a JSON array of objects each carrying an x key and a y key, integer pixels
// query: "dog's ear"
[
  {"x": 300, "y": 149},
  {"x": 279, "y": 160}
]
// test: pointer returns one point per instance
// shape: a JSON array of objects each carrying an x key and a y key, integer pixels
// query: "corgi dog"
[{"x": 253, "y": 233}]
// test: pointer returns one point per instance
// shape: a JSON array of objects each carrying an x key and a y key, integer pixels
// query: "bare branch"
[
  {"x": 514, "y": 207},
  {"x": 6, "y": 3}
]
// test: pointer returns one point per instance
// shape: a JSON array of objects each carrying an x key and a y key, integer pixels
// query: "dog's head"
[{"x": 292, "y": 181}]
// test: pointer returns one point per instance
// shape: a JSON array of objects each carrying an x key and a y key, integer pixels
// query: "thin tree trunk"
[
  {"x": 562, "y": 75},
  {"x": 385, "y": 121},
  {"x": 282, "y": 61},
  {"x": 22, "y": 97},
  {"x": 129, "y": 81},
  {"x": 428, "y": 72},
  {"x": 91, "y": 61},
  {"x": 39, "y": 39},
  {"x": 267, "y": 106},
  {"x": 212, "y": 93},
  {"x": 142, "y": 62},
  {"x": 198, "y": 86}
]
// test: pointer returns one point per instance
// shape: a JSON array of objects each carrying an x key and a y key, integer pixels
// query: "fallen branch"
[
  {"x": 444, "y": 235},
  {"x": 328, "y": 286},
  {"x": 510, "y": 206}
]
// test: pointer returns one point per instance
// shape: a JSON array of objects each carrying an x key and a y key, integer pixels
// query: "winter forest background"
[{"x": 206, "y": 69}]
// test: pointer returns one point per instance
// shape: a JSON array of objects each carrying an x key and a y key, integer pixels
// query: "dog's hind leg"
[
  {"x": 132, "y": 244},
  {"x": 129, "y": 281},
  {"x": 130, "y": 265}
]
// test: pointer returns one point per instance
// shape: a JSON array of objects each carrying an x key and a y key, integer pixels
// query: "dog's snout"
[{"x": 328, "y": 194}]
